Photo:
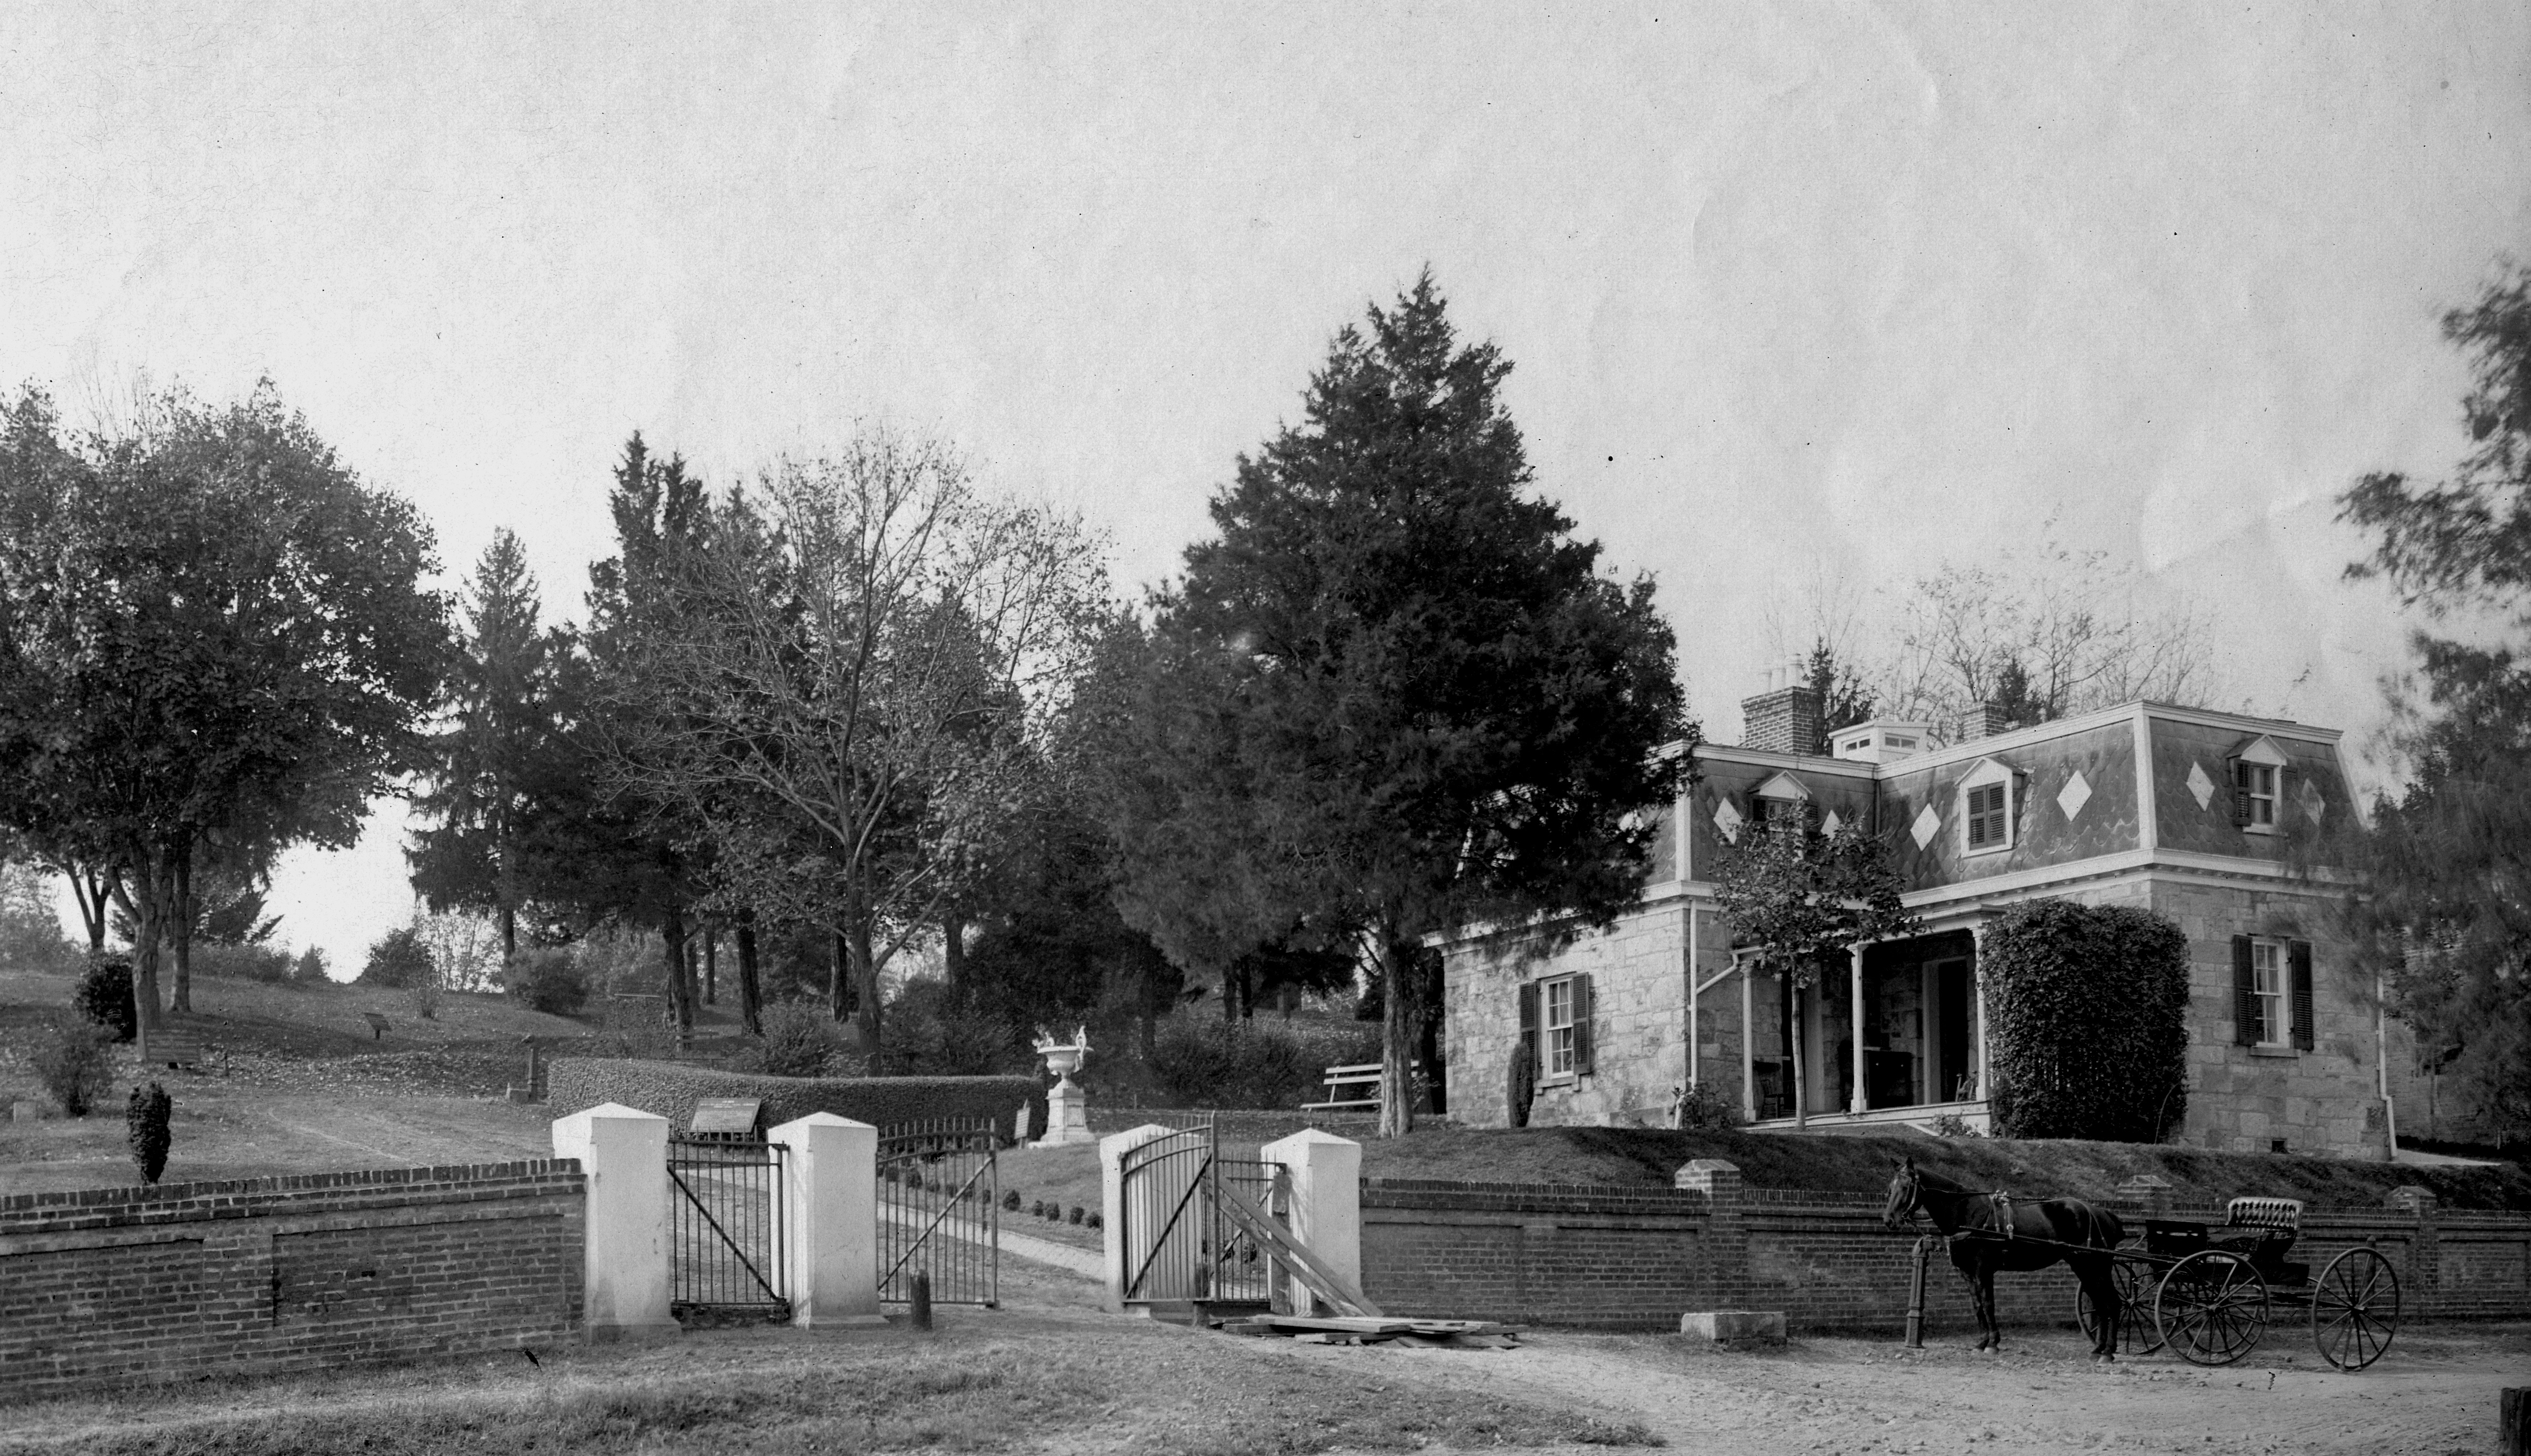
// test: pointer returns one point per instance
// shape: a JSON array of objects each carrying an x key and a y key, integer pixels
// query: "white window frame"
[
  {"x": 2260, "y": 764},
  {"x": 2272, "y": 992},
  {"x": 1555, "y": 1038},
  {"x": 1988, "y": 774},
  {"x": 1776, "y": 798}
]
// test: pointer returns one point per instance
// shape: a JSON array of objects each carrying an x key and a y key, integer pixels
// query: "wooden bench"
[
  {"x": 184, "y": 1052},
  {"x": 378, "y": 1025},
  {"x": 1365, "y": 1076}
]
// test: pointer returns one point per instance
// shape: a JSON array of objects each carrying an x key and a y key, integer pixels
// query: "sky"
[{"x": 1802, "y": 300}]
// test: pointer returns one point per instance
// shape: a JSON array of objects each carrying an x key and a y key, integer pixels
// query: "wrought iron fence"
[
  {"x": 939, "y": 1211},
  {"x": 725, "y": 1248},
  {"x": 1180, "y": 1241}
]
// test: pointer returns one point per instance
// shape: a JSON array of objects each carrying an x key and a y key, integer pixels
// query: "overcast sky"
[{"x": 1794, "y": 293}]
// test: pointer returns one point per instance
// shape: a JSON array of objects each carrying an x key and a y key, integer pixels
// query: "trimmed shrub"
[
  {"x": 2087, "y": 1021},
  {"x": 144, "y": 1127},
  {"x": 671, "y": 1090},
  {"x": 546, "y": 978},
  {"x": 398, "y": 961},
  {"x": 1072, "y": 1214},
  {"x": 1011, "y": 1200},
  {"x": 105, "y": 997},
  {"x": 261, "y": 963},
  {"x": 1206, "y": 1062},
  {"x": 72, "y": 1062}
]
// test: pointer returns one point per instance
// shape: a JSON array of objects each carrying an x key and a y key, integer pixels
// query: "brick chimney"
[
  {"x": 1785, "y": 717},
  {"x": 1984, "y": 720}
]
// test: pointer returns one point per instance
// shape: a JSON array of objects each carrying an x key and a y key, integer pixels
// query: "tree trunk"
[
  {"x": 672, "y": 945},
  {"x": 1400, "y": 1005},
  {"x": 865, "y": 970},
  {"x": 182, "y": 928},
  {"x": 711, "y": 963},
  {"x": 1247, "y": 990},
  {"x": 509, "y": 933},
  {"x": 839, "y": 981},
  {"x": 953, "y": 951},
  {"x": 148, "y": 909},
  {"x": 751, "y": 1005},
  {"x": 90, "y": 887},
  {"x": 1795, "y": 997}
]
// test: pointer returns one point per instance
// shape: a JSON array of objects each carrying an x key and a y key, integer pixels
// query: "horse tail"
[{"x": 2107, "y": 1231}]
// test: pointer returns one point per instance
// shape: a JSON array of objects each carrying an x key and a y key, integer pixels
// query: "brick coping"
[
  {"x": 143, "y": 1195},
  {"x": 1650, "y": 1193}
]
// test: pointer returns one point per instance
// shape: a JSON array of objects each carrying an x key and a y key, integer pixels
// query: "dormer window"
[
  {"x": 1780, "y": 798},
  {"x": 1987, "y": 809},
  {"x": 2258, "y": 786}
]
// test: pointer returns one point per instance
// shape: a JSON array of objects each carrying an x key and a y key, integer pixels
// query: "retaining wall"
[
  {"x": 265, "y": 1275},
  {"x": 1637, "y": 1257}
]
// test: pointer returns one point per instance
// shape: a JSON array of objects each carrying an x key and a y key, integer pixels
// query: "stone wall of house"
[
  {"x": 1639, "y": 1023},
  {"x": 2246, "y": 1100},
  {"x": 108, "y": 1287}
]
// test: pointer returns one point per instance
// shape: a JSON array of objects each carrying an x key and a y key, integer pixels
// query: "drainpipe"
[
  {"x": 1693, "y": 1030},
  {"x": 2382, "y": 1066}
]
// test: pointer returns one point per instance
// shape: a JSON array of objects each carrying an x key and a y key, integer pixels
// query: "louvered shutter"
[
  {"x": 2240, "y": 797},
  {"x": 1529, "y": 1028},
  {"x": 2284, "y": 793},
  {"x": 1582, "y": 1005},
  {"x": 2245, "y": 995},
  {"x": 2299, "y": 963}
]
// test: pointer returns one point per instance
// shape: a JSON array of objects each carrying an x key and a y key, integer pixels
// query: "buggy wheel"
[
  {"x": 2355, "y": 1309},
  {"x": 2211, "y": 1308},
  {"x": 2136, "y": 1332}
]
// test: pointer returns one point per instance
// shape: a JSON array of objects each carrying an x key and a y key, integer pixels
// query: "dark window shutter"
[
  {"x": 2298, "y": 964},
  {"x": 2240, "y": 796},
  {"x": 2245, "y": 995},
  {"x": 1581, "y": 1026},
  {"x": 1529, "y": 1025}
]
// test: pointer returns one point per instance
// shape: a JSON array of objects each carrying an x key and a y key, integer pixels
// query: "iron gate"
[
  {"x": 1183, "y": 1242},
  {"x": 725, "y": 1248},
  {"x": 939, "y": 1211}
]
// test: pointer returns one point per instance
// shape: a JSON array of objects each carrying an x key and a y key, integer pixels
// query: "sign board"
[{"x": 725, "y": 1117}]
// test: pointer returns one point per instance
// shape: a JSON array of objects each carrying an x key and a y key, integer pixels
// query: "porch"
[{"x": 1899, "y": 1039}]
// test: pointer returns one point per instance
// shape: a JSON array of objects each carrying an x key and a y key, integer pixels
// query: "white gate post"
[
  {"x": 623, "y": 1156},
  {"x": 1326, "y": 1203},
  {"x": 830, "y": 1220},
  {"x": 1115, "y": 1225}
]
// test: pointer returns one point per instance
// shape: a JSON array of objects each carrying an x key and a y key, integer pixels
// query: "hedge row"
[
  {"x": 2087, "y": 1010},
  {"x": 671, "y": 1090}
]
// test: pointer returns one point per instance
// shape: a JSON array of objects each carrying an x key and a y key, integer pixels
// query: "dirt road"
[{"x": 2434, "y": 1392}]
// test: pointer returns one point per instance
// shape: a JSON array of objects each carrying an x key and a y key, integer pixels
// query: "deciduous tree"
[
  {"x": 212, "y": 627},
  {"x": 1801, "y": 900}
]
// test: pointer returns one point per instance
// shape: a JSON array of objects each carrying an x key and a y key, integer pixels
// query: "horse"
[{"x": 1991, "y": 1232}]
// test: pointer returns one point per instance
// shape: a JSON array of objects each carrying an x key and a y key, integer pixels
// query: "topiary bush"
[
  {"x": 146, "y": 1127},
  {"x": 104, "y": 999},
  {"x": 2086, "y": 1021},
  {"x": 72, "y": 1062},
  {"x": 546, "y": 978}
]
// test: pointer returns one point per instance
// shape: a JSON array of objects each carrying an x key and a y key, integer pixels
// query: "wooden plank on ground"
[{"x": 1303, "y": 1265}]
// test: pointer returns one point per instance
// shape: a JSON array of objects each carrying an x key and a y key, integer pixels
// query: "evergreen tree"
[
  {"x": 1394, "y": 697},
  {"x": 496, "y": 722},
  {"x": 2446, "y": 863}
]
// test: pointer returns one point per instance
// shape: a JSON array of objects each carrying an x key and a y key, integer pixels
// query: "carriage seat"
[{"x": 2265, "y": 1229}]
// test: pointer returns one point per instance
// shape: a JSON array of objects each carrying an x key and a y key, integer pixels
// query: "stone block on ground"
[{"x": 1733, "y": 1325}]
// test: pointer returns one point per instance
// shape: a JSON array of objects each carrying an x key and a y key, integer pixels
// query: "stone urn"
[{"x": 1067, "y": 1109}]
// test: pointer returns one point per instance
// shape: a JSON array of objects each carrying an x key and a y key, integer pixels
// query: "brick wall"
[
  {"x": 1638, "y": 1257},
  {"x": 110, "y": 1286}
]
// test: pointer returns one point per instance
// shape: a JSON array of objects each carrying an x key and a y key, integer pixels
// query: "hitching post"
[{"x": 1916, "y": 1293}]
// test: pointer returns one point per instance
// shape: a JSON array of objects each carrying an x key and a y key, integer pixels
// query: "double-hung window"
[
  {"x": 2267, "y": 992},
  {"x": 2255, "y": 785},
  {"x": 1558, "y": 1006},
  {"x": 1986, "y": 809}
]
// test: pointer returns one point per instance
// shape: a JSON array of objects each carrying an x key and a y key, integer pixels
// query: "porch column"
[
  {"x": 1861, "y": 1102},
  {"x": 1977, "y": 992},
  {"x": 1748, "y": 1044}
]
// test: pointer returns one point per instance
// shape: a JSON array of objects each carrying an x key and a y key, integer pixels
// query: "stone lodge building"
[{"x": 2181, "y": 811}]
